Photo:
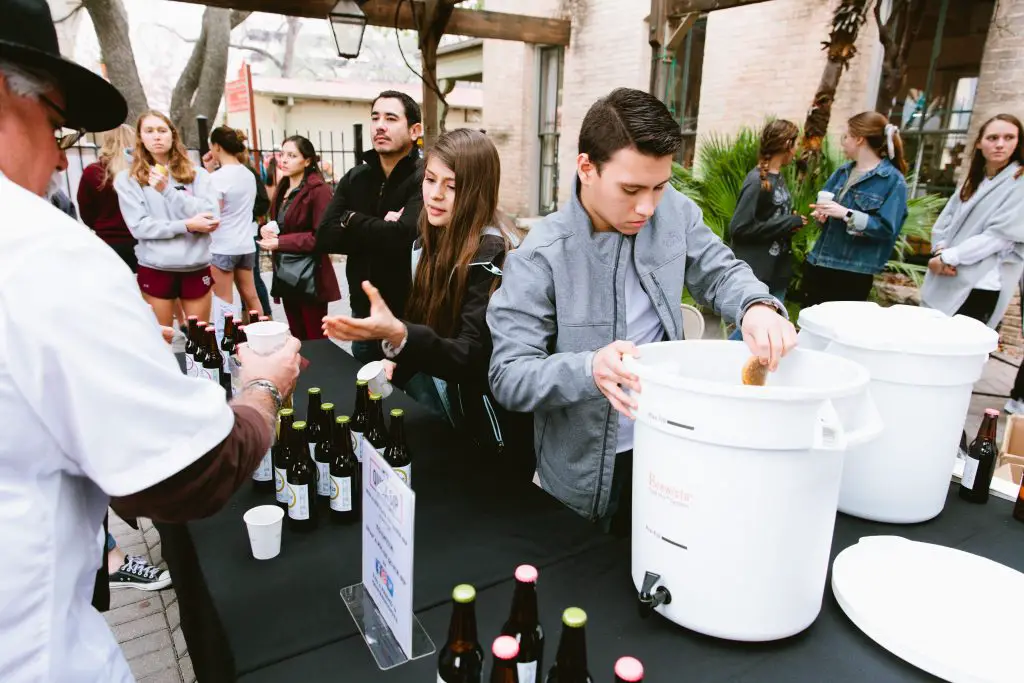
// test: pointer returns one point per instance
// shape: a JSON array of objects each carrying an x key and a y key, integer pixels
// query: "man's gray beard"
[{"x": 56, "y": 184}]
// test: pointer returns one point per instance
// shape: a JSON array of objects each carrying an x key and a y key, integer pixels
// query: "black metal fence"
[{"x": 337, "y": 152}]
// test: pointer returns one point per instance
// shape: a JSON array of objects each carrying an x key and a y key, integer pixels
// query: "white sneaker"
[{"x": 1014, "y": 407}]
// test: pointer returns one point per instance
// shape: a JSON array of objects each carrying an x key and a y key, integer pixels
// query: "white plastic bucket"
[
  {"x": 735, "y": 487},
  {"x": 923, "y": 366}
]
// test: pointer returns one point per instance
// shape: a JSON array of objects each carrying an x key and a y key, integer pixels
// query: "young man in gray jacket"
[{"x": 599, "y": 277}]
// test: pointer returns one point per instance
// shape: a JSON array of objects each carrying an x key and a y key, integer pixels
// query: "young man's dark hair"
[
  {"x": 628, "y": 118},
  {"x": 412, "y": 110}
]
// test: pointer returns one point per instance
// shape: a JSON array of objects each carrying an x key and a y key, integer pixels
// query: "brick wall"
[
  {"x": 766, "y": 60},
  {"x": 511, "y": 107},
  {"x": 608, "y": 50}
]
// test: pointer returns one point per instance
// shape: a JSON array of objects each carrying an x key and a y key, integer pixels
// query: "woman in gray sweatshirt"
[{"x": 170, "y": 207}]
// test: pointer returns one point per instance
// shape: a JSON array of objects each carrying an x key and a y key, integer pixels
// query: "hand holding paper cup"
[
  {"x": 266, "y": 337},
  {"x": 272, "y": 228},
  {"x": 264, "y": 526},
  {"x": 375, "y": 377},
  {"x": 824, "y": 196}
]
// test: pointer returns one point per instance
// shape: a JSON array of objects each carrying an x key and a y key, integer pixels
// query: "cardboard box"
[{"x": 1010, "y": 465}]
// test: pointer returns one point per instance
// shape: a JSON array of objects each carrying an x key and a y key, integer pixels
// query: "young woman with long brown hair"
[
  {"x": 300, "y": 201},
  {"x": 170, "y": 207},
  {"x": 862, "y": 221},
  {"x": 762, "y": 227},
  {"x": 441, "y": 351},
  {"x": 97, "y": 199},
  {"x": 978, "y": 239}
]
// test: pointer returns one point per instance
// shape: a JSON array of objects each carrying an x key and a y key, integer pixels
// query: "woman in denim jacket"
[{"x": 861, "y": 224}]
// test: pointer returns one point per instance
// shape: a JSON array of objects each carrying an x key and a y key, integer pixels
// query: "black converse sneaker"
[{"x": 136, "y": 572}]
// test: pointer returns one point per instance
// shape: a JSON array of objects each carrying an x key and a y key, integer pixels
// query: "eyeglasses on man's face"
[{"x": 64, "y": 137}]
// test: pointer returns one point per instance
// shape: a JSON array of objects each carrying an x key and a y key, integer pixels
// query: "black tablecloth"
[
  {"x": 832, "y": 649},
  {"x": 473, "y": 525}
]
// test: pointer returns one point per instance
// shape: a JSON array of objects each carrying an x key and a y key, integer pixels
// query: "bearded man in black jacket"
[{"x": 374, "y": 216}]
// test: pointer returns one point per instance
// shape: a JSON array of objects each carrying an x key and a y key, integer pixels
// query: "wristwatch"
[{"x": 267, "y": 386}]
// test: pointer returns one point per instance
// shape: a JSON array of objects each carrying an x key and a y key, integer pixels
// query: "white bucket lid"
[
  {"x": 943, "y": 610},
  {"x": 899, "y": 329}
]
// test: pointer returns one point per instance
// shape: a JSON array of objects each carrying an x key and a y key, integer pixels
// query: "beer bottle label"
[
  {"x": 357, "y": 445},
  {"x": 405, "y": 474},
  {"x": 190, "y": 365},
  {"x": 298, "y": 506},
  {"x": 341, "y": 494},
  {"x": 281, "y": 486},
  {"x": 210, "y": 373},
  {"x": 970, "y": 472},
  {"x": 323, "y": 480},
  {"x": 265, "y": 470},
  {"x": 527, "y": 672}
]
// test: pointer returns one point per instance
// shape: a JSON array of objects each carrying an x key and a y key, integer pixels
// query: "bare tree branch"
[
  {"x": 277, "y": 62},
  {"x": 175, "y": 32},
  {"x": 69, "y": 14},
  {"x": 110, "y": 21},
  {"x": 237, "y": 17}
]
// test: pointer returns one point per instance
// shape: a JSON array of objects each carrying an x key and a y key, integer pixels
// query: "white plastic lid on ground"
[
  {"x": 945, "y": 611},
  {"x": 900, "y": 328}
]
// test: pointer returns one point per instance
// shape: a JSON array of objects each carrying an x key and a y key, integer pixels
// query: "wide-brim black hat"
[{"x": 29, "y": 39}]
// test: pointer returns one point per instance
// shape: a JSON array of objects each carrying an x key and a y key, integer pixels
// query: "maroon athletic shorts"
[{"x": 164, "y": 284}]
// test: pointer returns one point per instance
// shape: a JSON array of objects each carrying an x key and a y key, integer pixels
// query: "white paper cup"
[
  {"x": 273, "y": 227},
  {"x": 264, "y": 525},
  {"x": 824, "y": 196},
  {"x": 266, "y": 337},
  {"x": 373, "y": 374}
]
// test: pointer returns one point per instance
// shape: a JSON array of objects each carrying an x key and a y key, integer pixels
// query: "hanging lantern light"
[{"x": 348, "y": 23}]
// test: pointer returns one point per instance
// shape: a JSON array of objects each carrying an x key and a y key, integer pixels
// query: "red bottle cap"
[
  {"x": 629, "y": 669},
  {"x": 505, "y": 648},
  {"x": 526, "y": 573}
]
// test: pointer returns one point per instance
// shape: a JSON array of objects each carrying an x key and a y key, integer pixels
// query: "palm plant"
[{"x": 723, "y": 163}]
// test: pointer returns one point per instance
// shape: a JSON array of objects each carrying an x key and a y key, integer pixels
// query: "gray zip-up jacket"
[
  {"x": 157, "y": 220},
  {"x": 562, "y": 298}
]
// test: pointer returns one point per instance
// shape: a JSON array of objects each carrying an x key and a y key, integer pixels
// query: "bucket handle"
[
  {"x": 872, "y": 427},
  {"x": 830, "y": 435}
]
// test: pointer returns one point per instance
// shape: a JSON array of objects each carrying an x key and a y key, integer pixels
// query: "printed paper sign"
[{"x": 388, "y": 525}]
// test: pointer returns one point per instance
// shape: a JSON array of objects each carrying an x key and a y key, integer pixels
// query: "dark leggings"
[
  {"x": 980, "y": 305},
  {"x": 821, "y": 285},
  {"x": 1017, "y": 393}
]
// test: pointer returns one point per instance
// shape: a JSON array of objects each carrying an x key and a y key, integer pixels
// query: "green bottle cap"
[
  {"x": 299, "y": 426},
  {"x": 574, "y": 617},
  {"x": 327, "y": 406},
  {"x": 374, "y": 397},
  {"x": 285, "y": 412},
  {"x": 342, "y": 419},
  {"x": 397, "y": 412},
  {"x": 464, "y": 594},
  {"x": 362, "y": 383},
  {"x": 314, "y": 390}
]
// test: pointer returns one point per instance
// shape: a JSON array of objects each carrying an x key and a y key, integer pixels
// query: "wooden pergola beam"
[
  {"x": 680, "y": 7},
  {"x": 465, "y": 22}
]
